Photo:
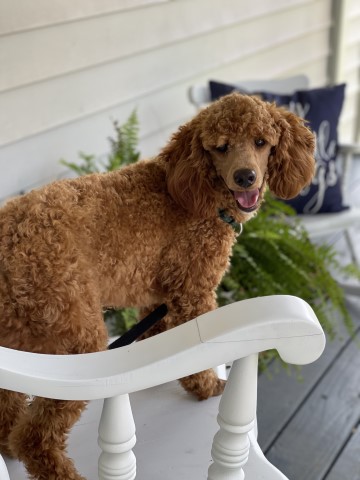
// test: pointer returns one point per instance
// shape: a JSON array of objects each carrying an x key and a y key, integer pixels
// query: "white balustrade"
[
  {"x": 237, "y": 413},
  {"x": 3, "y": 470},
  {"x": 232, "y": 333},
  {"x": 116, "y": 440}
]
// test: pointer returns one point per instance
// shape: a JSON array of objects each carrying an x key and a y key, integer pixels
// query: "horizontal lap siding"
[
  {"x": 111, "y": 38},
  {"x": 24, "y": 15},
  {"x": 347, "y": 67},
  {"x": 70, "y": 69}
]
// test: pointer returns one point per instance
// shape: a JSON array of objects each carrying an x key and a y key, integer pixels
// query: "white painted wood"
[
  {"x": 236, "y": 331},
  {"x": 338, "y": 41},
  {"x": 34, "y": 160},
  {"x": 221, "y": 371},
  {"x": 159, "y": 115},
  {"x": 23, "y": 15},
  {"x": 4, "y": 475},
  {"x": 351, "y": 55},
  {"x": 323, "y": 224},
  {"x": 73, "y": 46},
  {"x": 345, "y": 64},
  {"x": 116, "y": 440},
  {"x": 236, "y": 419},
  {"x": 283, "y": 322},
  {"x": 31, "y": 110},
  {"x": 235, "y": 450},
  {"x": 174, "y": 432}
]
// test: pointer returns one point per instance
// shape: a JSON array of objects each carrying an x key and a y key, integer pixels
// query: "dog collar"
[{"x": 231, "y": 221}]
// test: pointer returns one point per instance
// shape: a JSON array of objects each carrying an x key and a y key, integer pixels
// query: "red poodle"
[{"x": 159, "y": 231}]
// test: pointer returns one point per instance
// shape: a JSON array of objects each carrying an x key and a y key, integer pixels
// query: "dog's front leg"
[{"x": 204, "y": 384}]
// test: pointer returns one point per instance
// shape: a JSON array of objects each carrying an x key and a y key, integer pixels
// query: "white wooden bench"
[{"x": 235, "y": 333}]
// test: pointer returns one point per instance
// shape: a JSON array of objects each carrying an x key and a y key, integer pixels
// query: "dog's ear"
[
  {"x": 291, "y": 164},
  {"x": 188, "y": 170}
]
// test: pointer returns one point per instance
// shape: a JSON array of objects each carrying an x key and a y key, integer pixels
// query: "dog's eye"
[
  {"x": 222, "y": 148},
  {"x": 260, "y": 142}
]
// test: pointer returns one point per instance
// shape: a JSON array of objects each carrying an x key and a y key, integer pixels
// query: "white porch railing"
[{"x": 233, "y": 333}]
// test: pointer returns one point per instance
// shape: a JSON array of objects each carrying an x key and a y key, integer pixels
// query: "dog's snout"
[{"x": 245, "y": 177}]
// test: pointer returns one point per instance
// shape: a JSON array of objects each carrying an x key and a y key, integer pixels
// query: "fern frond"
[
  {"x": 88, "y": 164},
  {"x": 123, "y": 148}
]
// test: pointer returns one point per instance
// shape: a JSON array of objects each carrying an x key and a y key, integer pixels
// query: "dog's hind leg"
[
  {"x": 38, "y": 439},
  {"x": 12, "y": 407}
]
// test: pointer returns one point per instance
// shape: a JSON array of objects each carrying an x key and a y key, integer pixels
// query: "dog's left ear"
[
  {"x": 291, "y": 164},
  {"x": 188, "y": 170}
]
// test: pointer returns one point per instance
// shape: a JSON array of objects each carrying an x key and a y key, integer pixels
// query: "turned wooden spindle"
[
  {"x": 237, "y": 413},
  {"x": 116, "y": 440},
  {"x": 3, "y": 470}
]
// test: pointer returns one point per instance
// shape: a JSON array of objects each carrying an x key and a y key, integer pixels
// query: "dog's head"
[{"x": 226, "y": 155}]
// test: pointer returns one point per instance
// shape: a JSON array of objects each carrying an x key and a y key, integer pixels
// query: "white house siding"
[
  {"x": 68, "y": 67},
  {"x": 346, "y": 67},
  {"x": 352, "y": 66}
]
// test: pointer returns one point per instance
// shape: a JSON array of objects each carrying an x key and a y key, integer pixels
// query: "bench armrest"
[{"x": 282, "y": 322}]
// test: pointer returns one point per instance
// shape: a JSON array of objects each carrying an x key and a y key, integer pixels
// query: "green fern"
[
  {"x": 123, "y": 150},
  {"x": 88, "y": 165},
  {"x": 120, "y": 321},
  {"x": 124, "y": 145}
]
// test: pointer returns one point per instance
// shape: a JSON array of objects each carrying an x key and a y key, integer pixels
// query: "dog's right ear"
[{"x": 188, "y": 170}]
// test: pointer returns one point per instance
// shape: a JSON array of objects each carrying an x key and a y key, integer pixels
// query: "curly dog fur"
[{"x": 147, "y": 234}]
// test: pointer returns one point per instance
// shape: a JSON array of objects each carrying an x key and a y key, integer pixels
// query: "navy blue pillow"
[
  {"x": 322, "y": 108},
  {"x": 218, "y": 89}
]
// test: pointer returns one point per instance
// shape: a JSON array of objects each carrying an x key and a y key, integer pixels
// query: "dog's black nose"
[{"x": 245, "y": 177}]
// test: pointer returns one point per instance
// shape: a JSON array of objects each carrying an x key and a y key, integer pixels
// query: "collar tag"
[{"x": 231, "y": 221}]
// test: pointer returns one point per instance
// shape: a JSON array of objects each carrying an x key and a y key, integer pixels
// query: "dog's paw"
[
  {"x": 219, "y": 388},
  {"x": 204, "y": 384},
  {"x": 216, "y": 389}
]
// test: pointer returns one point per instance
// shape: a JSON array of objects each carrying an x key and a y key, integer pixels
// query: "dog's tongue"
[{"x": 248, "y": 198}]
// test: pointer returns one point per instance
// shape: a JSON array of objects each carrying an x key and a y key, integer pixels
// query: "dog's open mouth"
[{"x": 247, "y": 200}]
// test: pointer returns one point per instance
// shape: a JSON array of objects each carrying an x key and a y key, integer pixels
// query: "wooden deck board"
[
  {"x": 348, "y": 463},
  {"x": 316, "y": 434},
  {"x": 304, "y": 428},
  {"x": 280, "y": 393}
]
